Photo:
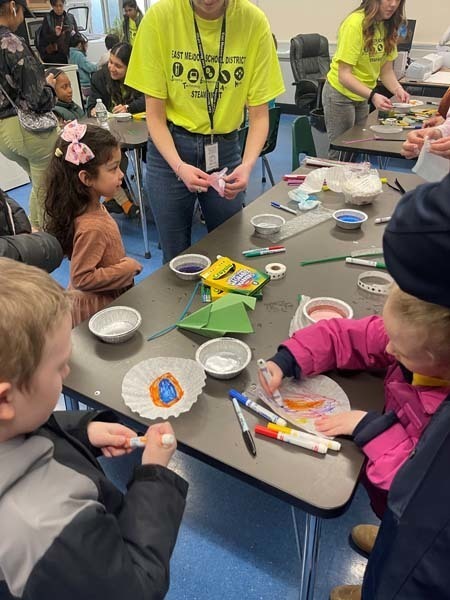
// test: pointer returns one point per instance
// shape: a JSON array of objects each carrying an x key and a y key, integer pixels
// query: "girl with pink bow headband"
[{"x": 85, "y": 167}]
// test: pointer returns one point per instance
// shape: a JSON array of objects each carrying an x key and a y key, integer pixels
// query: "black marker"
[{"x": 248, "y": 439}]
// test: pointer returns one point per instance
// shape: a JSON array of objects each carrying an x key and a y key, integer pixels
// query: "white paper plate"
[
  {"x": 136, "y": 386},
  {"x": 308, "y": 399},
  {"x": 123, "y": 116},
  {"x": 386, "y": 129},
  {"x": 415, "y": 103}
]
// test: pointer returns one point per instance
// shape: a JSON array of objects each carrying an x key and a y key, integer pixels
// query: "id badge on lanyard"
[
  {"x": 211, "y": 148},
  {"x": 211, "y": 156}
]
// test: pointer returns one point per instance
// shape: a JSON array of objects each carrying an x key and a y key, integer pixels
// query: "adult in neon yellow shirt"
[
  {"x": 365, "y": 51},
  {"x": 166, "y": 65},
  {"x": 132, "y": 17}
]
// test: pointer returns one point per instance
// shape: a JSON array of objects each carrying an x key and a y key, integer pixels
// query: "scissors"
[{"x": 397, "y": 187}]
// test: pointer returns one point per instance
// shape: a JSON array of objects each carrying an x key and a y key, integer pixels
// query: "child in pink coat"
[
  {"x": 415, "y": 384},
  {"x": 408, "y": 446}
]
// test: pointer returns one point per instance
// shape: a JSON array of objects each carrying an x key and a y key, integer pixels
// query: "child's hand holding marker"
[
  {"x": 159, "y": 446},
  {"x": 270, "y": 377},
  {"x": 111, "y": 438}
]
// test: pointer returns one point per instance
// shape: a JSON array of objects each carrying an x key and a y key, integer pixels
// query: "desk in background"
[
  {"x": 437, "y": 83},
  {"x": 321, "y": 486},
  {"x": 359, "y": 139}
]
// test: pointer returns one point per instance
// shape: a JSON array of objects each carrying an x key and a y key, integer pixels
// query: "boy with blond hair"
[{"x": 66, "y": 531}]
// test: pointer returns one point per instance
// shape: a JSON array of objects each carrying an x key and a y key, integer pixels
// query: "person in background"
[
  {"x": 84, "y": 167},
  {"x": 109, "y": 84},
  {"x": 196, "y": 105},
  {"x": 408, "y": 445},
  {"x": 110, "y": 41},
  {"x": 436, "y": 128},
  {"x": 366, "y": 49},
  {"x": 73, "y": 533},
  {"x": 132, "y": 17},
  {"x": 77, "y": 56},
  {"x": 57, "y": 28},
  {"x": 65, "y": 108},
  {"x": 22, "y": 78}
]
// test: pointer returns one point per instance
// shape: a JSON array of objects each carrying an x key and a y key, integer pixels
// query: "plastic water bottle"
[{"x": 101, "y": 113}]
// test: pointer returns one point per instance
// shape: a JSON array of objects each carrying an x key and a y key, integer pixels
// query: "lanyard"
[{"x": 211, "y": 97}]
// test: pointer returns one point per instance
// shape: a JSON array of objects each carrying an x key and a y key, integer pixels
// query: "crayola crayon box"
[{"x": 230, "y": 276}]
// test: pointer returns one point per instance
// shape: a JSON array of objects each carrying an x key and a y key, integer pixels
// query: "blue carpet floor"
[{"x": 235, "y": 541}]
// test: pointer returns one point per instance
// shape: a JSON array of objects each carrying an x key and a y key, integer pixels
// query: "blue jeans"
[{"x": 173, "y": 204}]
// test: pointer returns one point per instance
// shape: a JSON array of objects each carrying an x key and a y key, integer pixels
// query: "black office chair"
[{"x": 310, "y": 63}]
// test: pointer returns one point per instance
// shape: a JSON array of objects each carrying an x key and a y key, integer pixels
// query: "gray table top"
[
  {"x": 322, "y": 485},
  {"x": 350, "y": 141},
  {"x": 130, "y": 133}
]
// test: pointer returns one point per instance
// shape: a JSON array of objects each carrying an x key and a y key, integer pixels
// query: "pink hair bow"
[{"x": 77, "y": 153}]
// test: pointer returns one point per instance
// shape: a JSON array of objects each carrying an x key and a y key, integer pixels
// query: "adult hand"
[
  {"x": 193, "y": 178},
  {"x": 51, "y": 80},
  {"x": 111, "y": 438},
  {"x": 434, "y": 121},
  {"x": 401, "y": 95},
  {"x": 277, "y": 377},
  {"x": 93, "y": 112},
  {"x": 120, "y": 108},
  {"x": 441, "y": 147},
  {"x": 237, "y": 181},
  {"x": 340, "y": 424},
  {"x": 154, "y": 452},
  {"x": 381, "y": 102},
  {"x": 58, "y": 30}
]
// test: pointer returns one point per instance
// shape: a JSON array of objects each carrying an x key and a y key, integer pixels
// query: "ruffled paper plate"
[
  {"x": 307, "y": 399},
  {"x": 163, "y": 387}
]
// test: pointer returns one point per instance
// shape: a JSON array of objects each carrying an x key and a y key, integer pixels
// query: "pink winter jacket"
[{"x": 361, "y": 344}]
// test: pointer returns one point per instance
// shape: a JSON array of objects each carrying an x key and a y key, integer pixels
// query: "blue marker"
[{"x": 260, "y": 410}]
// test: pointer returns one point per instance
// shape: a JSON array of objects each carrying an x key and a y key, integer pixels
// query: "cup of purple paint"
[{"x": 189, "y": 266}]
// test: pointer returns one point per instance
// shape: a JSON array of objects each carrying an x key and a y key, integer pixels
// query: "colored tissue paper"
[
  {"x": 431, "y": 167},
  {"x": 216, "y": 180}
]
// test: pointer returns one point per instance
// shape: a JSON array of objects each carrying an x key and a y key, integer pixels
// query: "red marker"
[{"x": 290, "y": 439}]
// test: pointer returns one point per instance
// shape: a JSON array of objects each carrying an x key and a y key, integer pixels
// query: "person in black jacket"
[
  {"x": 54, "y": 37},
  {"x": 66, "y": 530},
  {"x": 108, "y": 84},
  {"x": 17, "y": 242}
]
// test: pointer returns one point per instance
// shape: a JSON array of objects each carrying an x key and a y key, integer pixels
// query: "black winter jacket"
[
  {"x": 410, "y": 559},
  {"x": 68, "y": 532},
  {"x": 100, "y": 88},
  {"x": 17, "y": 242}
]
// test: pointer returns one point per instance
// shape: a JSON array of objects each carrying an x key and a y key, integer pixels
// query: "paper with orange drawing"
[{"x": 306, "y": 400}]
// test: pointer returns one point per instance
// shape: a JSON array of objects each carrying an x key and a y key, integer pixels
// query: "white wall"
[{"x": 290, "y": 17}]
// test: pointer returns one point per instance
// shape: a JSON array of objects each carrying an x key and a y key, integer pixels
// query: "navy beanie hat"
[{"x": 416, "y": 243}]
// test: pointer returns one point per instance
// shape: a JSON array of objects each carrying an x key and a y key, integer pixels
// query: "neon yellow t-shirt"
[
  {"x": 350, "y": 49},
  {"x": 165, "y": 63},
  {"x": 133, "y": 29}
]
